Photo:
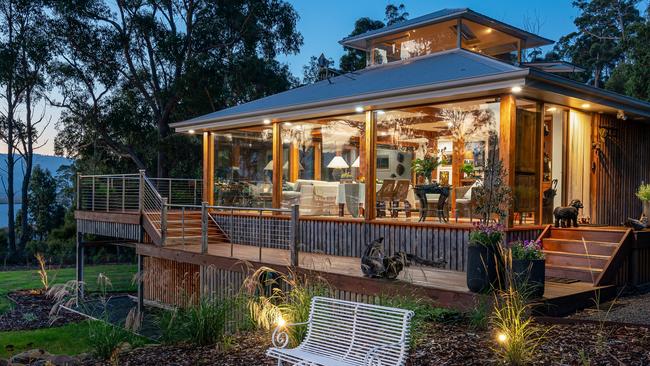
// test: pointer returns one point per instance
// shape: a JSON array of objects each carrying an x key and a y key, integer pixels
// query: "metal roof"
[
  {"x": 437, "y": 68},
  {"x": 531, "y": 40}
]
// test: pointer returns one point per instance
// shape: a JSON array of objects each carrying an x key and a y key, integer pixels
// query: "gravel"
[{"x": 630, "y": 309}]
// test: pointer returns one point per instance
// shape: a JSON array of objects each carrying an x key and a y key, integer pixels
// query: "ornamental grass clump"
[{"x": 277, "y": 298}]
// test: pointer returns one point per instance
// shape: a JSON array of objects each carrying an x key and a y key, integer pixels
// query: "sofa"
[{"x": 315, "y": 197}]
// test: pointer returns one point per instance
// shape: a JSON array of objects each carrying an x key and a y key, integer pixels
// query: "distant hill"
[{"x": 48, "y": 162}]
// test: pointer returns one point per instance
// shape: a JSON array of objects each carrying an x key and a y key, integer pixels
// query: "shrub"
[
  {"x": 479, "y": 316},
  {"x": 105, "y": 339},
  {"x": 526, "y": 250},
  {"x": 643, "y": 193},
  {"x": 486, "y": 235},
  {"x": 42, "y": 271}
]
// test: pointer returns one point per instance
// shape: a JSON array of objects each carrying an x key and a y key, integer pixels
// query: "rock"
[
  {"x": 30, "y": 356},
  {"x": 124, "y": 347},
  {"x": 63, "y": 360}
]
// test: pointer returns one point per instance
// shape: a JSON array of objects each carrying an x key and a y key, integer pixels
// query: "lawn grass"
[
  {"x": 121, "y": 275},
  {"x": 69, "y": 339}
]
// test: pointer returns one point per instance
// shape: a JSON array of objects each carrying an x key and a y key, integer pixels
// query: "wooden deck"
[{"x": 447, "y": 288}]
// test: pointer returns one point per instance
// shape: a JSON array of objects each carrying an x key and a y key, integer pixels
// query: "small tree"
[
  {"x": 45, "y": 212},
  {"x": 494, "y": 195}
]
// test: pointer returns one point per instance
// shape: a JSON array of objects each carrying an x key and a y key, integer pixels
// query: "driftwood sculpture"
[
  {"x": 566, "y": 216},
  {"x": 639, "y": 224},
  {"x": 377, "y": 265}
]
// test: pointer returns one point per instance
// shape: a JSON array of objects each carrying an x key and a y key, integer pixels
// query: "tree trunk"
[
  {"x": 9, "y": 189},
  {"x": 28, "y": 156},
  {"x": 163, "y": 133}
]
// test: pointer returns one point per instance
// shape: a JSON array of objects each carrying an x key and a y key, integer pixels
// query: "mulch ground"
[
  {"x": 31, "y": 310},
  {"x": 576, "y": 344},
  {"x": 245, "y": 349}
]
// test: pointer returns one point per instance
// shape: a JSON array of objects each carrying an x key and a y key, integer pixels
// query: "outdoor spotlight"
[
  {"x": 267, "y": 121},
  {"x": 516, "y": 89},
  {"x": 586, "y": 105},
  {"x": 191, "y": 132},
  {"x": 502, "y": 338},
  {"x": 358, "y": 109}
]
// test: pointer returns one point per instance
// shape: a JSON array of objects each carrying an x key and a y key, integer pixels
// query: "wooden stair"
[
  {"x": 587, "y": 254},
  {"x": 184, "y": 228}
]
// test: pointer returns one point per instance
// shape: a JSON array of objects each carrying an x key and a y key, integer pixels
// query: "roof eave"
[
  {"x": 402, "y": 96},
  {"x": 546, "y": 81}
]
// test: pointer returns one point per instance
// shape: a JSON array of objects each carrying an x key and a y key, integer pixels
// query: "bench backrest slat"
[{"x": 347, "y": 330}]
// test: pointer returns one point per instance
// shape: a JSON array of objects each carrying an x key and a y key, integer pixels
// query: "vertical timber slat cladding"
[
  {"x": 170, "y": 282},
  {"x": 621, "y": 155},
  {"x": 110, "y": 229}
]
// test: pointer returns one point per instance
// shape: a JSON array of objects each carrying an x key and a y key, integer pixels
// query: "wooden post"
[
  {"x": 294, "y": 161},
  {"x": 318, "y": 159},
  {"x": 204, "y": 227},
  {"x": 277, "y": 165},
  {"x": 208, "y": 167},
  {"x": 78, "y": 191},
  {"x": 457, "y": 157},
  {"x": 140, "y": 284},
  {"x": 80, "y": 267},
  {"x": 539, "y": 166},
  {"x": 294, "y": 237},
  {"x": 141, "y": 191},
  {"x": 507, "y": 138},
  {"x": 371, "y": 166},
  {"x": 163, "y": 222}
]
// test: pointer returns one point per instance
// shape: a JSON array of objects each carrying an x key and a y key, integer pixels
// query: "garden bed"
[
  {"x": 574, "y": 344},
  {"x": 31, "y": 310}
]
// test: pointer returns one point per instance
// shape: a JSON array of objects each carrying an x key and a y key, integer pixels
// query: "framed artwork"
[{"x": 383, "y": 162}]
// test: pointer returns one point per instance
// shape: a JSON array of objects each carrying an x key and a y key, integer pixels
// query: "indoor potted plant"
[
  {"x": 643, "y": 193},
  {"x": 484, "y": 257},
  {"x": 425, "y": 166},
  {"x": 528, "y": 267}
]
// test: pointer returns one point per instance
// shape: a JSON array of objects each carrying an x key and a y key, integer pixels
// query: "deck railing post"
[
  {"x": 92, "y": 205},
  {"x": 163, "y": 221},
  {"x": 232, "y": 232},
  {"x": 78, "y": 191},
  {"x": 204, "y": 227},
  {"x": 141, "y": 191},
  {"x": 294, "y": 234},
  {"x": 259, "y": 235},
  {"x": 123, "y": 193},
  {"x": 108, "y": 194}
]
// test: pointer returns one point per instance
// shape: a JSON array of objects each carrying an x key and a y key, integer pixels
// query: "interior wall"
[{"x": 579, "y": 160}]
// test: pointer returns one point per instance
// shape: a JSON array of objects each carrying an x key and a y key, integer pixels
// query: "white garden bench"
[{"x": 345, "y": 333}]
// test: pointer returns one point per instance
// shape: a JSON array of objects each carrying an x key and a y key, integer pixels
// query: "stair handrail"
[{"x": 153, "y": 205}]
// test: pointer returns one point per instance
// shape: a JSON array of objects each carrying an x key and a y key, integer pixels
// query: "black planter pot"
[
  {"x": 528, "y": 275},
  {"x": 482, "y": 272}
]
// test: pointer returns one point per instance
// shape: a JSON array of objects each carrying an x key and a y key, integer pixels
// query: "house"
[{"x": 309, "y": 176}]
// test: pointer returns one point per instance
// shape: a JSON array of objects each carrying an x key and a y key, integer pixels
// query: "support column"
[
  {"x": 370, "y": 153},
  {"x": 140, "y": 284},
  {"x": 80, "y": 267},
  {"x": 457, "y": 157},
  {"x": 294, "y": 161},
  {"x": 208, "y": 167},
  {"x": 277, "y": 165},
  {"x": 507, "y": 138}
]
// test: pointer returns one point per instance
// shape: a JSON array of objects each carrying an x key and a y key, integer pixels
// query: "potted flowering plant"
[
  {"x": 643, "y": 193},
  {"x": 484, "y": 257},
  {"x": 528, "y": 266}
]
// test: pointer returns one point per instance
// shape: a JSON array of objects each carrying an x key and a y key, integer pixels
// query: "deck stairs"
[
  {"x": 587, "y": 254},
  {"x": 184, "y": 228}
]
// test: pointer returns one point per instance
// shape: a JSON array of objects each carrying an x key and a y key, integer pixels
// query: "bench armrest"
[
  {"x": 280, "y": 337},
  {"x": 371, "y": 357}
]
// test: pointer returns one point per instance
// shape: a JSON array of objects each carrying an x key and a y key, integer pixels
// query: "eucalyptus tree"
[{"x": 163, "y": 48}]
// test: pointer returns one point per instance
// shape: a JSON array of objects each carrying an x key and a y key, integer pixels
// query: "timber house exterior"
[{"x": 285, "y": 178}]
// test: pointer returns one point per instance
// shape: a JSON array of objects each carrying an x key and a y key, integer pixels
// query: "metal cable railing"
[
  {"x": 108, "y": 193},
  {"x": 179, "y": 191}
]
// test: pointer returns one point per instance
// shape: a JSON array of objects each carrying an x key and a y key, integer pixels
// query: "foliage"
[
  {"x": 42, "y": 271},
  {"x": 526, "y": 250},
  {"x": 426, "y": 165},
  {"x": 604, "y": 27},
  {"x": 486, "y": 235},
  {"x": 203, "y": 323},
  {"x": 479, "y": 316},
  {"x": 45, "y": 212},
  {"x": 312, "y": 72},
  {"x": 354, "y": 59},
  {"x": 632, "y": 76},
  {"x": 643, "y": 193},
  {"x": 516, "y": 334},
  {"x": 105, "y": 338},
  {"x": 493, "y": 196},
  {"x": 467, "y": 168},
  {"x": 276, "y": 298}
]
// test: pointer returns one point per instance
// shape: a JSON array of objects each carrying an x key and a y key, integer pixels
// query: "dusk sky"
[{"x": 324, "y": 23}]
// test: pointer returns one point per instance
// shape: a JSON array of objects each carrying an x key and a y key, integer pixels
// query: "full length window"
[
  {"x": 324, "y": 165},
  {"x": 426, "y": 152},
  {"x": 243, "y": 167}
]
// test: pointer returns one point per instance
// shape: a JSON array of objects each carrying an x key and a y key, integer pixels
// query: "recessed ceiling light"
[
  {"x": 516, "y": 89},
  {"x": 381, "y": 112},
  {"x": 191, "y": 131},
  {"x": 489, "y": 30},
  {"x": 287, "y": 124},
  {"x": 586, "y": 105},
  {"x": 552, "y": 109},
  {"x": 267, "y": 121},
  {"x": 358, "y": 109}
]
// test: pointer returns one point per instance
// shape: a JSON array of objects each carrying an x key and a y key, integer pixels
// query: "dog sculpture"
[
  {"x": 377, "y": 265},
  {"x": 566, "y": 216}
]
